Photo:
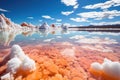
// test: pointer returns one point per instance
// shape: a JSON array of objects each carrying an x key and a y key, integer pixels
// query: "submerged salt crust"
[
  {"x": 18, "y": 61},
  {"x": 108, "y": 69}
]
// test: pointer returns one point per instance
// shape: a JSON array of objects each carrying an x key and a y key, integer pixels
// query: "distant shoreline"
[{"x": 95, "y": 29}]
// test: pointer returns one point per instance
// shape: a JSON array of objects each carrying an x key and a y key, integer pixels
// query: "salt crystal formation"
[
  {"x": 16, "y": 51},
  {"x": 13, "y": 65},
  {"x": 44, "y": 26},
  {"x": 18, "y": 63},
  {"x": 7, "y": 76},
  {"x": 108, "y": 70},
  {"x": 6, "y": 23}
]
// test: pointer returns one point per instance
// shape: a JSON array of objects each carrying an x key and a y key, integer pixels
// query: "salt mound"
[
  {"x": 107, "y": 70},
  {"x": 13, "y": 65},
  {"x": 18, "y": 62},
  {"x": 112, "y": 68},
  {"x": 8, "y": 76},
  {"x": 17, "y": 51},
  {"x": 96, "y": 66},
  {"x": 44, "y": 26},
  {"x": 28, "y": 64}
]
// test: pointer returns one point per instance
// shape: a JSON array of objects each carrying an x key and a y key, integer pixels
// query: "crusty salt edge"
[{"x": 107, "y": 68}]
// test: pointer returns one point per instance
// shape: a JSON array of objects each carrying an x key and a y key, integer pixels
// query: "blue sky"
[{"x": 73, "y": 12}]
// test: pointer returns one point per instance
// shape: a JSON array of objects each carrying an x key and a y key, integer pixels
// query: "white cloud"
[
  {"x": 73, "y": 3},
  {"x": 67, "y": 24},
  {"x": 30, "y": 17},
  {"x": 69, "y": 2},
  {"x": 47, "y": 17},
  {"x": 58, "y": 20},
  {"x": 67, "y": 13},
  {"x": 104, "y": 5},
  {"x": 106, "y": 23},
  {"x": 76, "y": 6},
  {"x": 79, "y": 19},
  {"x": 57, "y": 23},
  {"x": 40, "y": 20},
  {"x": 100, "y": 15},
  {"x": 3, "y": 10}
]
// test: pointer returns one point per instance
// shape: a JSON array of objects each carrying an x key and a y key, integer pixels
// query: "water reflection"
[
  {"x": 7, "y": 36},
  {"x": 85, "y": 39}
]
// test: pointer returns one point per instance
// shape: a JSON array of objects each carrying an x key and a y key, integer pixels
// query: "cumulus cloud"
[
  {"x": 30, "y": 17},
  {"x": 67, "y": 13},
  {"x": 73, "y": 3},
  {"x": 105, "y": 5},
  {"x": 3, "y": 10},
  {"x": 69, "y": 2},
  {"x": 47, "y": 17},
  {"x": 79, "y": 19},
  {"x": 58, "y": 20},
  {"x": 40, "y": 20},
  {"x": 67, "y": 24},
  {"x": 57, "y": 23},
  {"x": 76, "y": 6},
  {"x": 100, "y": 15},
  {"x": 109, "y": 68},
  {"x": 106, "y": 23}
]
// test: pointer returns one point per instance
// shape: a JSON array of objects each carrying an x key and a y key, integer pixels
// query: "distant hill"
[{"x": 98, "y": 26}]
